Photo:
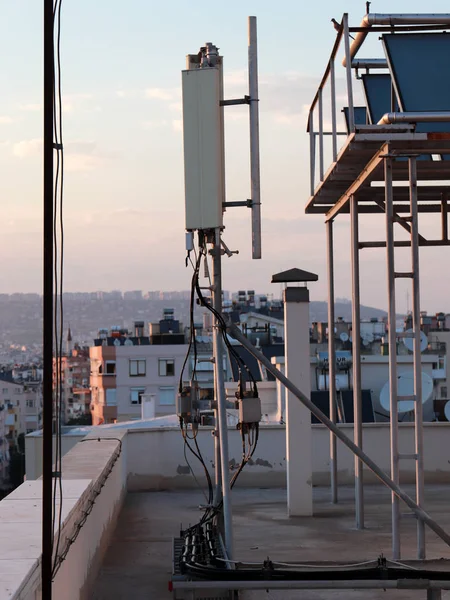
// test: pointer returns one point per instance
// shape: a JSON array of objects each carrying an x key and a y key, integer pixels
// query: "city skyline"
[{"x": 124, "y": 198}]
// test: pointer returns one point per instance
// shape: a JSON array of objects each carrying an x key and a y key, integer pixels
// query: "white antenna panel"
[
  {"x": 405, "y": 387},
  {"x": 203, "y": 148}
]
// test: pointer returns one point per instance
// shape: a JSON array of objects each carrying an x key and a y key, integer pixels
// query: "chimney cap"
[{"x": 294, "y": 275}]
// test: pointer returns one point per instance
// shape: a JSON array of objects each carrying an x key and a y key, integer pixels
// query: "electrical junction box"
[
  {"x": 204, "y": 172},
  {"x": 249, "y": 409},
  {"x": 187, "y": 404}
]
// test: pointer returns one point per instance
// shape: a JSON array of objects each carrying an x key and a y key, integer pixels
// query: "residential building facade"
[{"x": 125, "y": 367}]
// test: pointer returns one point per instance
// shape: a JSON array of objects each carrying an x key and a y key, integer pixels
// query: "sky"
[{"x": 124, "y": 195}]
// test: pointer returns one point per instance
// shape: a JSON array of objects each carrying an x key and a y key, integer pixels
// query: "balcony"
[{"x": 148, "y": 491}]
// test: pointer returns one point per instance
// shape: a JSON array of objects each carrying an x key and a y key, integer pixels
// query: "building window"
[
  {"x": 444, "y": 391},
  {"x": 166, "y": 396},
  {"x": 110, "y": 367},
  {"x": 137, "y": 368},
  {"x": 5, "y": 390},
  {"x": 111, "y": 398},
  {"x": 30, "y": 403},
  {"x": 136, "y": 395},
  {"x": 166, "y": 367}
]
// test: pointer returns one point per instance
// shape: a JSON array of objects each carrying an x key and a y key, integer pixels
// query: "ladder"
[{"x": 410, "y": 223}]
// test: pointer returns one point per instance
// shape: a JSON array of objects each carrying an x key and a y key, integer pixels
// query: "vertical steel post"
[
  {"x": 418, "y": 414},
  {"x": 332, "y": 361},
  {"x": 220, "y": 387},
  {"x": 321, "y": 168},
  {"x": 356, "y": 348},
  {"x": 254, "y": 136},
  {"x": 47, "y": 454},
  {"x": 348, "y": 68},
  {"x": 312, "y": 153},
  {"x": 333, "y": 108},
  {"x": 389, "y": 199},
  {"x": 444, "y": 216}
]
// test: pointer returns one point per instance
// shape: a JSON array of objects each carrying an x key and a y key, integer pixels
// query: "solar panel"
[
  {"x": 360, "y": 114},
  {"x": 378, "y": 92},
  {"x": 419, "y": 64},
  {"x": 366, "y": 402},
  {"x": 321, "y": 399}
]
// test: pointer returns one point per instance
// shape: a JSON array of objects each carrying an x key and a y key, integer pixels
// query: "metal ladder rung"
[
  {"x": 408, "y": 456},
  {"x": 411, "y": 398},
  {"x": 404, "y": 275}
]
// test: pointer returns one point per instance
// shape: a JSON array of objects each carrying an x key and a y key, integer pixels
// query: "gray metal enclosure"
[{"x": 393, "y": 162}]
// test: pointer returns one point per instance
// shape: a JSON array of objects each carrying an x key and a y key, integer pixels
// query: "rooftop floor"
[{"x": 138, "y": 563}]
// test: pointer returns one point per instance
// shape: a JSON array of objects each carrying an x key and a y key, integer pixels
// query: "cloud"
[
  {"x": 177, "y": 125},
  {"x": 159, "y": 93},
  {"x": 155, "y": 124},
  {"x": 31, "y": 107},
  {"x": 27, "y": 148}
]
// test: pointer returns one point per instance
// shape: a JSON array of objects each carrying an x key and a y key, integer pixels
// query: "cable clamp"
[
  {"x": 56, "y": 474},
  {"x": 57, "y": 146}
]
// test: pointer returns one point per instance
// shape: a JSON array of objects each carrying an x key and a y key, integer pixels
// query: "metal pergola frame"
[{"x": 366, "y": 177}]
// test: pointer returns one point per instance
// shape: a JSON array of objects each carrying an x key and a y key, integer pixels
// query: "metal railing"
[{"x": 370, "y": 23}]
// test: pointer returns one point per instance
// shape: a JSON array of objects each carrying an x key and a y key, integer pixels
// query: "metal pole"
[
  {"x": 420, "y": 484},
  {"x": 312, "y": 153},
  {"x": 444, "y": 216},
  {"x": 220, "y": 390},
  {"x": 47, "y": 454},
  {"x": 348, "y": 68},
  {"x": 333, "y": 108},
  {"x": 356, "y": 349},
  {"x": 332, "y": 361},
  {"x": 254, "y": 136},
  {"x": 392, "y": 354},
  {"x": 321, "y": 168},
  {"x": 237, "y": 334}
]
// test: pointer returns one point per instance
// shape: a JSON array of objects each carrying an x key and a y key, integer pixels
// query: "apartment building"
[
  {"x": 126, "y": 367},
  {"x": 75, "y": 370}
]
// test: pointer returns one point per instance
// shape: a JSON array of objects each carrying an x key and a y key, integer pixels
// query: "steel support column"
[
  {"x": 332, "y": 362},
  {"x": 418, "y": 414},
  {"x": 220, "y": 391},
  {"x": 356, "y": 348},
  {"x": 392, "y": 354}
]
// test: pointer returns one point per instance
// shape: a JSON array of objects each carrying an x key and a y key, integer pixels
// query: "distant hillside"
[{"x": 319, "y": 311}]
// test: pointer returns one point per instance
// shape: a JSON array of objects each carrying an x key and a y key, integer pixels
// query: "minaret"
[{"x": 69, "y": 345}]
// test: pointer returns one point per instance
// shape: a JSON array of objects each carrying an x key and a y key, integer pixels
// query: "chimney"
[{"x": 139, "y": 329}]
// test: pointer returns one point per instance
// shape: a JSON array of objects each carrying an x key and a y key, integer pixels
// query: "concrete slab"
[{"x": 139, "y": 560}]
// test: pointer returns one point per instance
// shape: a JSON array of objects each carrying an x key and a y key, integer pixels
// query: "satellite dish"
[
  {"x": 344, "y": 337},
  {"x": 409, "y": 341},
  {"x": 405, "y": 387},
  {"x": 447, "y": 410},
  {"x": 365, "y": 341},
  {"x": 370, "y": 337}
]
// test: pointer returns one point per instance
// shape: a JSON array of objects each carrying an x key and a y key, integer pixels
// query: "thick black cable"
[{"x": 59, "y": 274}]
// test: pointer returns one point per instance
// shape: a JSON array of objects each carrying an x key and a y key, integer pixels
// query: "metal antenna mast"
[{"x": 204, "y": 157}]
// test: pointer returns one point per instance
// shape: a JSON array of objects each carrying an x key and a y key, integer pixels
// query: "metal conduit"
[
  {"x": 393, "y": 19},
  {"x": 421, "y": 514},
  {"x": 415, "y": 117}
]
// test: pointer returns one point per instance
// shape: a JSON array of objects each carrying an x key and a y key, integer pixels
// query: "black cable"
[
  {"x": 60, "y": 558},
  {"x": 59, "y": 272}
]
